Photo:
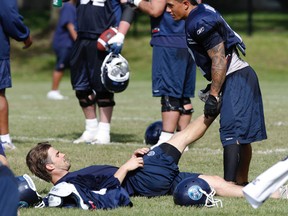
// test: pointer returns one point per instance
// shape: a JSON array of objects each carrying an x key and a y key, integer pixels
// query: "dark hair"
[{"x": 37, "y": 159}]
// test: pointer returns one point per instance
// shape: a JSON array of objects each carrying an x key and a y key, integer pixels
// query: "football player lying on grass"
[{"x": 149, "y": 172}]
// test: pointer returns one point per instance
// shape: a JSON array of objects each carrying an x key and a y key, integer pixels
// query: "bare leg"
[
  {"x": 194, "y": 131},
  {"x": 169, "y": 120},
  {"x": 106, "y": 114},
  {"x": 56, "y": 78},
  {"x": 4, "y": 127},
  {"x": 185, "y": 119}
]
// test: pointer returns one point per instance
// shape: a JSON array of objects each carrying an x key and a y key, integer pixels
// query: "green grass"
[{"x": 33, "y": 119}]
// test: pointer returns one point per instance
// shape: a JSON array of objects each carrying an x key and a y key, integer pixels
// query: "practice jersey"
[
  {"x": 62, "y": 37},
  {"x": 167, "y": 32},
  {"x": 205, "y": 28},
  {"x": 95, "y": 16},
  {"x": 11, "y": 25}
]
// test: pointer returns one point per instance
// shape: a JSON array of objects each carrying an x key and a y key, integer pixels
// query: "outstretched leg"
[{"x": 194, "y": 131}]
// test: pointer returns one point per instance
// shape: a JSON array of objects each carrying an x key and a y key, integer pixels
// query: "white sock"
[
  {"x": 164, "y": 137},
  {"x": 91, "y": 124},
  {"x": 102, "y": 126},
  {"x": 5, "y": 138}
]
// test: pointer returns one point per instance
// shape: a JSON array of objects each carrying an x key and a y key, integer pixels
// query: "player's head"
[
  {"x": 195, "y": 192},
  {"x": 180, "y": 9},
  {"x": 43, "y": 160}
]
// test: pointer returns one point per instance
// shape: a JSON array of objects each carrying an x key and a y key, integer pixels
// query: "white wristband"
[{"x": 137, "y": 2}]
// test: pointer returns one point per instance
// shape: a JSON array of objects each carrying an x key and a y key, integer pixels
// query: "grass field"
[{"x": 33, "y": 119}]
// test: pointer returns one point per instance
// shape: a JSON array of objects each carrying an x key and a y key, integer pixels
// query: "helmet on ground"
[
  {"x": 115, "y": 73},
  {"x": 195, "y": 192},
  {"x": 153, "y": 133},
  {"x": 28, "y": 194}
]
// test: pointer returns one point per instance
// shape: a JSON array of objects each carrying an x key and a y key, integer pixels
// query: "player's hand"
[
  {"x": 115, "y": 43},
  {"x": 204, "y": 93},
  {"x": 212, "y": 106},
  {"x": 134, "y": 163},
  {"x": 140, "y": 152},
  {"x": 27, "y": 42}
]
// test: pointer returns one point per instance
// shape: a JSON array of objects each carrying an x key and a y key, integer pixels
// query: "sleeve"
[
  {"x": 128, "y": 13},
  {"x": 13, "y": 24},
  {"x": 205, "y": 32},
  {"x": 66, "y": 15}
]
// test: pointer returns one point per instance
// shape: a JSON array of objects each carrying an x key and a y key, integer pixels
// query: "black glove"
[{"x": 212, "y": 106}]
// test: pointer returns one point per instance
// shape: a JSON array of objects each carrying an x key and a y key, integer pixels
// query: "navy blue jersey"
[
  {"x": 167, "y": 32},
  {"x": 205, "y": 28},
  {"x": 159, "y": 176},
  {"x": 92, "y": 21},
  {"x": 62, "y": 37},
  {"x": 11, "y": 25}
]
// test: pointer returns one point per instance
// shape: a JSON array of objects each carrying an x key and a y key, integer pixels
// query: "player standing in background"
[
  {"x": 173, "y": 69},
  {"x": 93, "y": 18},
  {"x": 234, "y": 92},
  {"x": 11, "y": 26},
  {"x": 64, "y": 36}
]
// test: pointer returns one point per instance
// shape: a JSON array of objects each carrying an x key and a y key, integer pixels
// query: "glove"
[
  {"x": 212, "y": 106},
  {"x": 115, "y": 43},
  {"x": 204, "y": 93}
]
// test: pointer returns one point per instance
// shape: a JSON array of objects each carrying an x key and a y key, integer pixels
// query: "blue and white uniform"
[
  {"x": 173, "y": 69},
  {"x": 11, "y": 26},
  {"x": 62, "y": 40},
  {"x": 93, "y": 18},
  {"x": 159, "y": 176},
  {"x": 242, "y": 116}
]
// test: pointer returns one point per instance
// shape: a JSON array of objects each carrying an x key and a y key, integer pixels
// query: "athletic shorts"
[
  {"x": 173, "y": 72},
  {"x": 242, "y": 116},
  {"x": 62, "y": 58},
  {"x": 85, "y": 64},
  {"x": 159, "y": 176},
  {"x": 5, "y": 74}
]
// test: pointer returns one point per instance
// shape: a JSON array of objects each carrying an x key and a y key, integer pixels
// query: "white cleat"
[
  {"x": 101, "y": 139},
  {"x": 86, "y": 137},
  {"x": 8, "y": 146},
  {"x": 55, "y": 95}
]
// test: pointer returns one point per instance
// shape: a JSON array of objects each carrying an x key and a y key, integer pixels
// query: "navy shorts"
[
  {"x": 86, "y": 62},
  {"x": 5, "y": 74},
  {"x": 159, "y": 176},
  {"x": 173, "y": 72},
  {"x": 62, "y": 58},
  {"x": 242, "y": 116}
]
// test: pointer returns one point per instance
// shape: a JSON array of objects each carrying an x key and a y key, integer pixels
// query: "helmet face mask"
[
  {"x": 115, "y": 73},
  {"x": 28, "y": 194},
  {"x": 195, "y": 192}
]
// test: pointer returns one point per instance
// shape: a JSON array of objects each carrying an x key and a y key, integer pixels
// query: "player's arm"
[
  {"x": 218, "y": 68},
  {"x": 71, "y": 30},
  {"x": 133, "y": 163},
  {"x": 218, "y": 74},
  {"x": 154, "y": 8}
]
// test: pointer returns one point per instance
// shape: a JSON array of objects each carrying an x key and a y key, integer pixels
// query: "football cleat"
[
  {"x": 8, "y": 145},
  {"x": 55, "y": 95},
  {"x": 86, "y": 137},
  {"x": 283, "y": 192}
]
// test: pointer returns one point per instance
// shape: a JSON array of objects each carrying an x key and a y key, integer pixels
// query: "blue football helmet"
[
  {"x": 153, "y": 133},
  {"x": 28, "y": 194},
  {"x": 115, "y": 73},
  {"x": 195, "y": 192}
]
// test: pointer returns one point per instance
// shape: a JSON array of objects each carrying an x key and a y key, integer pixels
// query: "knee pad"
[
  {"x": 105, "y": 99},
  {"x": 170, "y": 104},
  {"x": 86, "y": 98},
  {"x": 184, "y": 111}
]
